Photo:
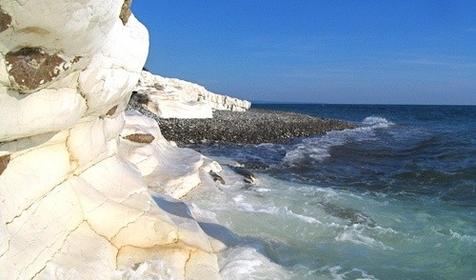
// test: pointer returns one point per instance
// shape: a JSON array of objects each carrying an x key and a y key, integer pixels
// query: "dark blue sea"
[{"x": 394, "y": 198}]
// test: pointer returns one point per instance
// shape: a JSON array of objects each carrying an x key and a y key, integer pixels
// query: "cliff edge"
[{"x": 174, "y": 98}]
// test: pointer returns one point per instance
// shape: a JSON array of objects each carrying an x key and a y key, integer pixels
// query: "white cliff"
[
  {"x": 74, "y": 186},
  {"x": 174, "y": 98}
]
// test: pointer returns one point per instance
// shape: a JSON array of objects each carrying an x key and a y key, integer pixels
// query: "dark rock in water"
[
  {"x": 353, "y": 216},
  {"x": 216, "y": 177},
  {"x": 248, "y": 176}
]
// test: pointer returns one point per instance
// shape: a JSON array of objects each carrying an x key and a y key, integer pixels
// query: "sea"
[{"x": 394, "y": 198}]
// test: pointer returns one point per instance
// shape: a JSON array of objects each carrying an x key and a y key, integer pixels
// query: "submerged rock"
[
  {"x": 248, "y": 176},
  {"x": 216, "y": 177},
  {"x": 351, "y": 215}
]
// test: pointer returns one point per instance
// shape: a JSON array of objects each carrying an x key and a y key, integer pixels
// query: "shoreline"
[{"x": 255, "y": 126}]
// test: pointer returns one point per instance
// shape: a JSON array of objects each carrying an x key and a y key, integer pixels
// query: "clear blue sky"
[{"x": 334, "y": 51}]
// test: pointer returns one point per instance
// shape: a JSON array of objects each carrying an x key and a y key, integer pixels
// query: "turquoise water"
[{"x": 392, "y": 199}]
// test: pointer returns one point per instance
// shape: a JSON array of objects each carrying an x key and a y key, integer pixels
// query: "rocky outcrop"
[
  {"x": 166, "y": 168},
  {"x": 173, "y": 98},
  {"x": 74, "y": 198}
]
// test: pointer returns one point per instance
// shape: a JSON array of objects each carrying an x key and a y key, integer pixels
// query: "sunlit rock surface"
[
  {"x": 71, "y": 205},
  {"x": 165, "y": 167},
  {"x": 174, "y": 98}
]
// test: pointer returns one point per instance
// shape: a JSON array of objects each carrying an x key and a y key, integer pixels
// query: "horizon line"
[{"x": 369, "y": 104}]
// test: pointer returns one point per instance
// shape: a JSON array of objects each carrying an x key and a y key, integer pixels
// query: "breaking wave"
[
  {"x": 243, "y": 263},
  {"x": 272, "y": 210},
  {"x": 318, "y": 148}
]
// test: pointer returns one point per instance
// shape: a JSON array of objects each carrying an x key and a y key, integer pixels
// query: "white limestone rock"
[
  {"x": 174, "y": 98},
  {"x": 166, "y": 168},
  {"x": 97, "y": 255},
  {"x": 70, "y": 205},
  {"x": 40, "y": 112}
]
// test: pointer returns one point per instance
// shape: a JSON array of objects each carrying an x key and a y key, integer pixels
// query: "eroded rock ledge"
[
  {"x": 174, "y": 98},
  {"x": 76, "y": 174}
]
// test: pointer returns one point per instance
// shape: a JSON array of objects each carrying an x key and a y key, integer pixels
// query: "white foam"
[
  {"x": 248, "y": 264},
  {"x": 203, "y": 215},
  {"x": 462, "y": 237},
  {"x": 377, "y": 122},
  {"x": 318, "y": 148},
  {"x": 307, "y": 219},
  {"x": 262, "y": 190},
  {"x": 151, "y": 270},
  {"x": 355, "y": 234},
  {"x": 337, "y": 273},
  {"x": 272, "y": 210}
]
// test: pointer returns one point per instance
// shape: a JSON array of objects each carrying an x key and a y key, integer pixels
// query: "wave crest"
[
  {"x": 377, "y": 122},
  {"x": 318, "y": 149}
]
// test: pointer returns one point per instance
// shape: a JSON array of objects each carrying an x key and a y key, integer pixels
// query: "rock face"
[
  {"x": 71, "y": 205},
  {"x": 166, "y": 168},
  {"x": 173, "y": 98}
]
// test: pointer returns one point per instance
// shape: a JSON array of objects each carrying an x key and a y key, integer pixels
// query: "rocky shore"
[{"x": 255, "y": 126}]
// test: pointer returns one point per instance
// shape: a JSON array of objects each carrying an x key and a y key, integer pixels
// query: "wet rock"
[
  {"x": 352, "y": 215},
  {"x": 4, "y": 161},
  {"x": 217, "y": 178},
  {"x": 140, "y": 138},
  {"x": 248, "y": 176},
  {"x": 31, "y": 68}
]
